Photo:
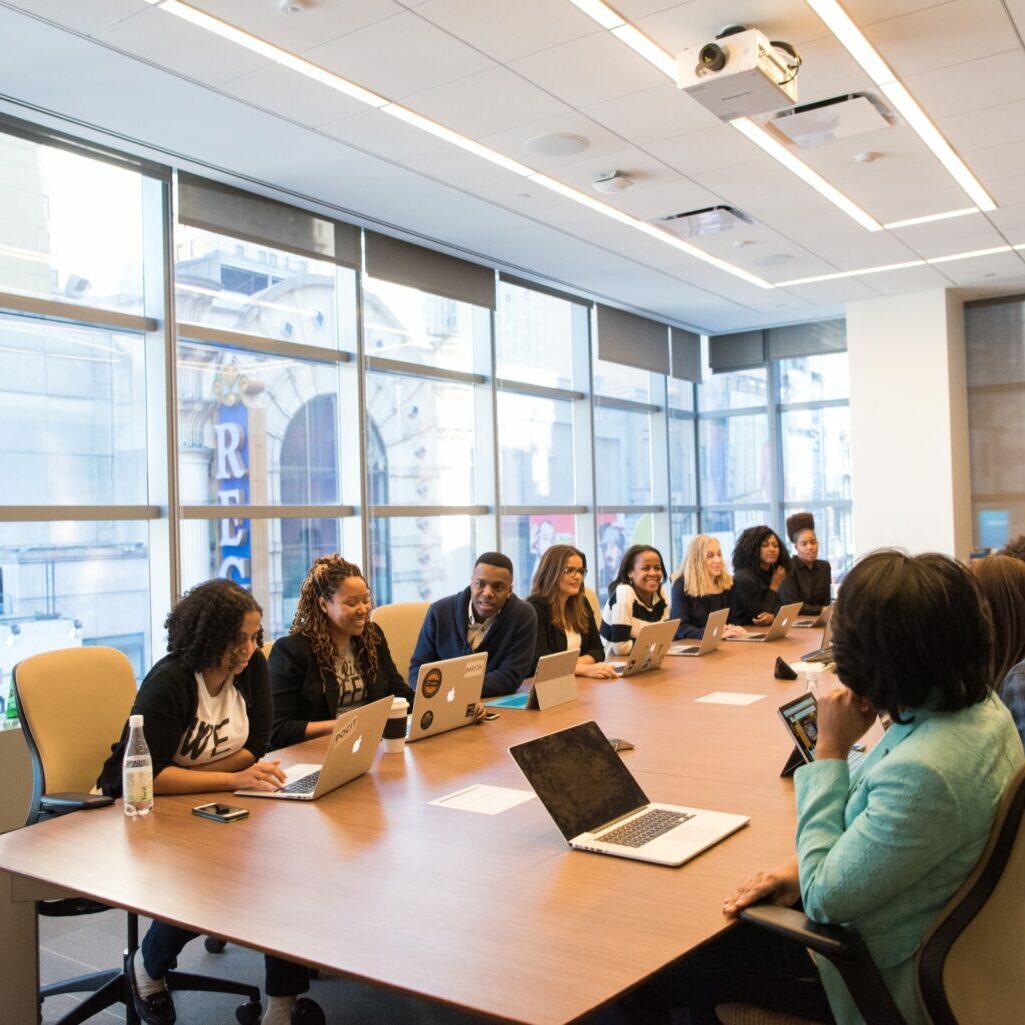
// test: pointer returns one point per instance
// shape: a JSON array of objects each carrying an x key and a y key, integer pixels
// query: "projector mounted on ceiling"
[{"x": 740, "y": 74}]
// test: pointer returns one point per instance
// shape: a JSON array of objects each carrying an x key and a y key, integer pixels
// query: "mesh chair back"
[
  {"x": 970, "y": 965},
  {"x": 401, "y": 626},
  {"x": 73, "y": 705}
]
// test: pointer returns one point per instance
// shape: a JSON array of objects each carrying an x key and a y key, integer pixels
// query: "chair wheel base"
[
  {"x": 214, "y": 945},
  {"x": 249, "y": 1013}
]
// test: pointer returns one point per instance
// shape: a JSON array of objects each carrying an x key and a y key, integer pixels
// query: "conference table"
[{"x": 488, "y": 912}]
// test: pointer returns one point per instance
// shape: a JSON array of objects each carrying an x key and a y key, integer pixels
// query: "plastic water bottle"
[{"x": 137, "y": 771}]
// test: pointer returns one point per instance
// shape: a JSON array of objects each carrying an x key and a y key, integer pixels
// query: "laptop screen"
[{"x": 579, "y": 778}]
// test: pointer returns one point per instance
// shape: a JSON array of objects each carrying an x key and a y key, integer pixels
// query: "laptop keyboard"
[
  {"x": 648, "y": 826},
  {"x": 305, "y": 785}
]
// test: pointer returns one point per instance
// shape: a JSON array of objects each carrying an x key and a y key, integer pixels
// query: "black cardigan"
[
  {"x": 693, "y": 610},
  {"x": 753, "y": 595},
  {"x": 302, "y": 697},
  {"x": 810, "y": 585},
  {"x": 552, "y": 638},
  {"x": 168, "y": 700}
]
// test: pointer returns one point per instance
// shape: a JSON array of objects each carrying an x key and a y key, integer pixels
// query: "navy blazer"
[
  {"x": 509, "y": 641},
  {"x": 552, "y": 638}
]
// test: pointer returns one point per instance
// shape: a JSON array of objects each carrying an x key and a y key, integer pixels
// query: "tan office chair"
[
  {"x": 969, "y": 963},
  {"x": 73, "y": 705},
  {"x": 401, "y": 625},
  {"x": 595, "y": 604}
]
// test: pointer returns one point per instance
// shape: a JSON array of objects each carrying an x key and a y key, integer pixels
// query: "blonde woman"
[
  {"x": 334, "y": 658},
  {"x": 564, "y": 616},
  {"x": 702, "y": 586}
]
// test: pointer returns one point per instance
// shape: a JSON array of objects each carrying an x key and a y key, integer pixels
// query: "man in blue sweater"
[{"x": 487, "y": 616}]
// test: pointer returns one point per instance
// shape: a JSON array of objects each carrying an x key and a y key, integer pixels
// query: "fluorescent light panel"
[
  {"x": 782, "y": 155},
  {"x": 649, "y": 50},
  {"x": 854, "y": 41},
  {"x": 931, "y": 217},
  {"x": 599, "y": 12}
]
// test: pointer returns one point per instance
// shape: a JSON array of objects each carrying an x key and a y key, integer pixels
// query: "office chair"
[
  {"x": 401, "y": 625},
  {"x": 969, "y": 962},
  {"x": 592, "y": 600},
  {"x": 73, "y": 703}
]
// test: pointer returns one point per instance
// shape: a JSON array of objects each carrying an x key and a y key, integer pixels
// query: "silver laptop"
[
  {"x": 598, "y": 805},
  {"x": 710, "y": 639},
  {"x": 446, "y": 695},
  {"x": 554, "y": 682},
  {"x": 350, "y": 752},
  {"x": 653, "y": 640},
  {"x": 807, "y": 622},
  {"x": 780, "y": 625}
]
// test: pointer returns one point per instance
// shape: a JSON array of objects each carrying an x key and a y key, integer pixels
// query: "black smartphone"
[{"x": 220, "y": 812}]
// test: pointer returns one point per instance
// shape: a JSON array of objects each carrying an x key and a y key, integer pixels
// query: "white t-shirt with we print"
[{"x": 219, "y": 729}]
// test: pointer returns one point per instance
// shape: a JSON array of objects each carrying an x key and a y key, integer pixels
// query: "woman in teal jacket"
[{"x": 881, "y": 848}]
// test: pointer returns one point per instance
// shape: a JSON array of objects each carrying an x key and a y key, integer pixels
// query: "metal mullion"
[
  {"x": 40, "y": 308},
  {"x": 361, "y": 398},
  {"x": 615, "y": 509},
  {"x": 736, "y": 506},
  {"x": 71, "y": 513},
  {"x": 539, "y": 390},
  {"x": 260, "y": 344},
  {"x": 266, "y": 512},
  {"x": 726, "y": 414},
  {"x": 630, "y": 405},
  {"x": 395, "y": 511},
  {"x": 775, "y": 425},
  {"x": 794, "y": 407},
  {"x": 537, "y": 510},
  {"x": 394, "y": 366}
]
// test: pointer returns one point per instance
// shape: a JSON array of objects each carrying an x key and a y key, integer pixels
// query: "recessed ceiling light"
[{"x": 558, "y": 145}]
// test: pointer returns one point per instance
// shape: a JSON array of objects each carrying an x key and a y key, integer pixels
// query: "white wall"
[{"x": 909, "y": 423}]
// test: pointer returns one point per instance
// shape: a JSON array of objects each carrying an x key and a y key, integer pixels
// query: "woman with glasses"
[
  {"x": 565, "y": 618},
  {"x": 334, "y": 658}
]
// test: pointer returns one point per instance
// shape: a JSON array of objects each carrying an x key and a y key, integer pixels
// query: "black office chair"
[
  {"x": 969, "y": 963},
  {"x": 72, "y": 704}
]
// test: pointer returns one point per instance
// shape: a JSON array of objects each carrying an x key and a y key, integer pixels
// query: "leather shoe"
[{"x": 156, "y": 1009}]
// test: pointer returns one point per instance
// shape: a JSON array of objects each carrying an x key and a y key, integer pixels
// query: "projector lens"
[{"x": 712, "y": 57}]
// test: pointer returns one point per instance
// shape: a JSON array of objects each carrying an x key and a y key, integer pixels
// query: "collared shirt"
[{"x": 476, "y": 629}]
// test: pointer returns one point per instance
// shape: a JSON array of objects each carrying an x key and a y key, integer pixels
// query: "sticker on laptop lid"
[
  {"x": 470, "y": 709},
  {"x": 432, "y": 683},
  {"x": 472, "y": 668},
  {"x": 425, "y": 720}
]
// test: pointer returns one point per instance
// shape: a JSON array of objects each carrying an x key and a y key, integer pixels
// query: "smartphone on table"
[{"x": 220, "y": 812}]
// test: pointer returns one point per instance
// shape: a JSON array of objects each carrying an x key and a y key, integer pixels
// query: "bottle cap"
[{"x": 134, "y": 720}]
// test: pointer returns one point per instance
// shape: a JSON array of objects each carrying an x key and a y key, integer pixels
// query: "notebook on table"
[
  {"x": 779, "y": 628},
  {"x": 710, "y": 639},
  {"x": 653, "y": 640},
  {"x": 447, "y": 693},
  {"x": 599, "y": 806},
  {"x": 350, "y": 752},
  {"x": 553, "y": 683}
]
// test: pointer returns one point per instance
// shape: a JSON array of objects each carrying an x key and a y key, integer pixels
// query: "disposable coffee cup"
[{"x": 394, "y": 739}]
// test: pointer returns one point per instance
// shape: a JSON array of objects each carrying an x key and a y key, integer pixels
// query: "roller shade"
[
  {"x": 806, "y": 339},
  {"x": 685, "y": 347},
  {"x": 739, "y": 351},
  {"x": 632, "y": 341},
  {"x": 225, "y": 210},
  {"x": 391, "y": 259}
]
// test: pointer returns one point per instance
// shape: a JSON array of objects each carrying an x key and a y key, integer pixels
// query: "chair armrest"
[
  {"x": 61, "y": 804},
  {"x": 832, "y": 941}
]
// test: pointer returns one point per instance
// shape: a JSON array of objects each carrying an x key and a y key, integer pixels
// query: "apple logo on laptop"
[
  {"x": 451, "y": 694},
  {"x": 356, "y": 746}
]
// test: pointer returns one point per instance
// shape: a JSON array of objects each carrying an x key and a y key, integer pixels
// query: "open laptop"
[
  {"x": 824, "y": 652},
  {"x": 653, "y": 640},
  {"x": 447, "y": 693},
  {"x": 553, "y": 683},
  {"x": 599, "y": 806},
  {"x": 350, "y": 752},
  {"x": 807, "y": 622},
  {"x": 710, "y": 639},
  {"x": 780, "y": 625}
]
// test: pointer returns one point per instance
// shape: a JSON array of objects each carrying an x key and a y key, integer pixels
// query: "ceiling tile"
[
  {"x": 180, "y": 47},
  {"x": 314, "y": 24},
  {"x": 290, "y": 95},
  {"x": 911, "y": 279},
  {"x": 828, "y": 70},
  {"x": 84, "y": 15},
  {"x": 895, "y": 190},
  {"x": 995, "y": 163},
  {"x": 1008, "y": 191},
  {"x": 1010, "y": 220},
  {"x": 399, "y": 56},
  {"x": 982, "y": 270},
  {"x": 842, "y": 290},
  {"x": 990, "y": 126},
  {"x": 958, "y": 235},
  {"x": 590, "y": 70},
  {"x": 485, "y": 103},
  {"x": 651, "y": 200},
  {"x": 504, "y": 30},
  {"x": 651, "y": 114},
  {"x": 707, "y": 151},
  {"x": 969, "y": 86}
]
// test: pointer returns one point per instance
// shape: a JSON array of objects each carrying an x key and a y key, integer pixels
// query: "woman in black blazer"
[
  {"x": 565, "y": 618},
  {"x": 760, "y": 565},
  {"x": 333, "y": 659}
]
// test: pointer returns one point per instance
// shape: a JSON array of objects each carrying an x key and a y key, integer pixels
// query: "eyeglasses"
[{"x": 573, "y": 571}]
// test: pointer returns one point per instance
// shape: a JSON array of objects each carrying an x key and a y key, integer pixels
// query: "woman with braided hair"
[{"x": 333, "y": 659}]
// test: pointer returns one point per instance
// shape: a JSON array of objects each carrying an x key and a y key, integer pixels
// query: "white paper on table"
[
  {"x": 486, "y": 800},
  {"x": 728, "y": 697}
]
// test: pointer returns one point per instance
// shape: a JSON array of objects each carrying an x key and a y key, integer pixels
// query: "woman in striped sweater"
[{"x": 636, "y": 597}]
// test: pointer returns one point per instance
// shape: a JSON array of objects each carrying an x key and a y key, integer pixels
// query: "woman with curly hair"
[
  {"x": 760, "y": 565},
  {"x": 810, "y": 579},
  {"x": 206, "y": 710},
  {"x": 333, "y": 659},
  {"x": 565, "y": 619},
  {"x": 636, "y": 597},
  {"x": 702, "y": 586}
]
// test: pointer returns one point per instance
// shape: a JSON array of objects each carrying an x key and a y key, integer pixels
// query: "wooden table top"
[{"x": 489, "y": 912}]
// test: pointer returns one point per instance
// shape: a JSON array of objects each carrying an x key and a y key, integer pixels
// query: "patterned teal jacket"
[{"x": 883, "y": 849}]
